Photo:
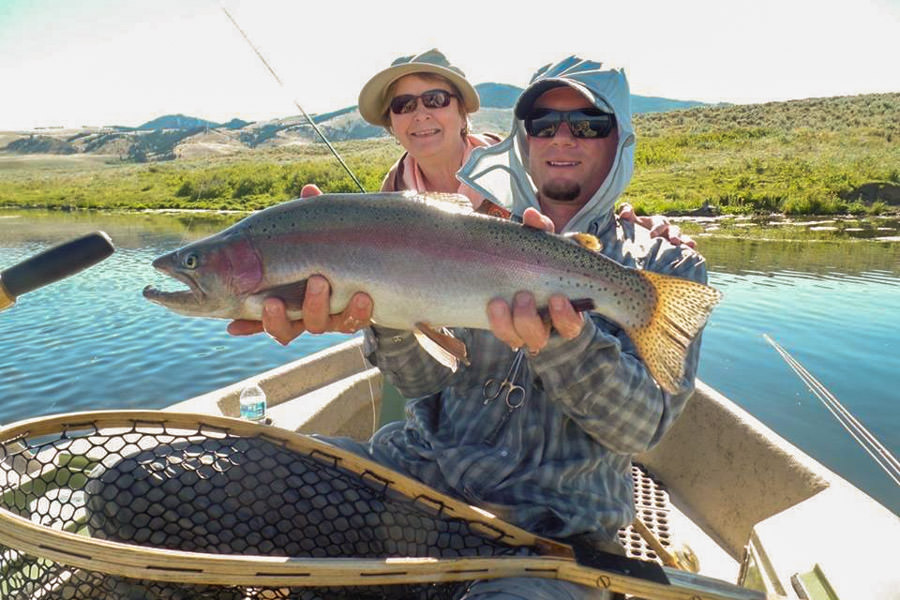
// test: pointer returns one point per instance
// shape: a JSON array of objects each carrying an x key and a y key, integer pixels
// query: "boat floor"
[{"x": 674, "y": 530}]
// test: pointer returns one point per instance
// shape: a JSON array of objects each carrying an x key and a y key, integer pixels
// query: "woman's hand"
[{"x": 658, "y": 225}]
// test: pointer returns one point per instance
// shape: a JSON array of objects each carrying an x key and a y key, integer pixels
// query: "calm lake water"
[{"x": 92, "y": 341}]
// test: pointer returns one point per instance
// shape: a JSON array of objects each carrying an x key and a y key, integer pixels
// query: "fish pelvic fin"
[
  {"x": 442, "y": 346},
  {"x": 292, "y": 294},
  {"x": 682, "y": 309}
]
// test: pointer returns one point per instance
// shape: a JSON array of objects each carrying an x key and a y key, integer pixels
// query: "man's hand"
[
  {"x": 316, "y": 302},
  {"x": 658, "y": 225},
  {"x": 537, "y": 220},
  {"x": 520, "y": 325}
]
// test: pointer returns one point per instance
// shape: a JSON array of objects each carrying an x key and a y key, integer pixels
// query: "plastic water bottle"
[{"x": 253, "y": 403}]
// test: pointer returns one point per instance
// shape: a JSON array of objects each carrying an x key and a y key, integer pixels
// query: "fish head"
[{"x": 220, "y": 272}]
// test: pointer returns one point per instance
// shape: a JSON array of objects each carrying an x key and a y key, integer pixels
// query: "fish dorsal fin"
[
  {"x": 586, "y": 240},
  {"x": 442, "y": 346},
  {"x": 452, "y": 203},
  {"x": 291, "y": 293}
]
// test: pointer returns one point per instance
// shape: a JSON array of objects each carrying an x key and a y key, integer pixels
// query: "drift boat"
[{"x": 721, "y": 491}]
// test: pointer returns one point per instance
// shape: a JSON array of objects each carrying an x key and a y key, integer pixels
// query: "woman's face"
[{"x": 427, "y": 132}]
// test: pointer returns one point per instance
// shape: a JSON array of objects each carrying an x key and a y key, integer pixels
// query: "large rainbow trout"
[{"x": 427, "y": 261}]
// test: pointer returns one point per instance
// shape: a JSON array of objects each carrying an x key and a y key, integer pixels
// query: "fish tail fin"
[{"x": 681, "y": 311}]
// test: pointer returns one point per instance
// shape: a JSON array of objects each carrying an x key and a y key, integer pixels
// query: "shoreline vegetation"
[{"x": 832, "y": 157}]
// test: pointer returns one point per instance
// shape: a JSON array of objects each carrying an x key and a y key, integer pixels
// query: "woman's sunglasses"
[
  {"x": 406, "y": 103},
  {"x": 583, "y": 123}
]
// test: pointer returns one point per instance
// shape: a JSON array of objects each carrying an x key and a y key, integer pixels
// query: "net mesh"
[{"x": 206, "y": 489}]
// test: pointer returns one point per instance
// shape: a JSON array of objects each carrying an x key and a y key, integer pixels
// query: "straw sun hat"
[{"x": 373, "y": 100}]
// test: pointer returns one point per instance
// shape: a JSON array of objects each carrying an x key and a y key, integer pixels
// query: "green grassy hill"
[{"x": 818, "y": 156}]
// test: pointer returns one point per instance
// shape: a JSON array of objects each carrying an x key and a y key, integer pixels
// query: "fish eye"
[{"x": 190, "y": 261}]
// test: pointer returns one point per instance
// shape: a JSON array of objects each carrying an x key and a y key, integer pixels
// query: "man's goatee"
[{"x": 564, "y": 191}]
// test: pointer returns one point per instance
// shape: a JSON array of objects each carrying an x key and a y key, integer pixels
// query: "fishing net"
[{"x": 146, "y": 505}]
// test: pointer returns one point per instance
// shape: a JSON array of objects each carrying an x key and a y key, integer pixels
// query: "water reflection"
[{"x": 835, "y": 307}]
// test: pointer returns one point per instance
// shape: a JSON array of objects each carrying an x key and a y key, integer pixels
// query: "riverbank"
[
  {"x": 803, "y": 228},
  {"x": 195, "y": 223},
  {"x": 825, "y": 156}
]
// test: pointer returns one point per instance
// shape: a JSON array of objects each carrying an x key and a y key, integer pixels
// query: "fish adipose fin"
[
  {"x": 681, "y": 311},
  {"x": 442, "y": 346},
  {"x": 586, "y": 240},
  {"x": 291, "y": 293}
]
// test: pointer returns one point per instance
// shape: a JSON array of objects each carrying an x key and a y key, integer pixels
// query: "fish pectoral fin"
[
  {"x": 291, "y": 293},
  {"x": 586, "y": 240},
  {"x": 442, "y": 346},
  {"x": 579, "y": 304}
]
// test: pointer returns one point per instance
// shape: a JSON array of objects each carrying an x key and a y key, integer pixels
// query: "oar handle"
[{"x": 52, "y": 265}]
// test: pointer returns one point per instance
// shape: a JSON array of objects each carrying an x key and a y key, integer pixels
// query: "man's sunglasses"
[
  {"x": 583, "y": 123},
  {"x": 406, "y": 103}
]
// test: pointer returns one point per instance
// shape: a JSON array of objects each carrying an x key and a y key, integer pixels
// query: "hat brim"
[
  {"x": 526, "y": 101},
  {"x": 373, "y": 100}
]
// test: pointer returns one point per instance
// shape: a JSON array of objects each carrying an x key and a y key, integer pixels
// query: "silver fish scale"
[{"x": 402, "y": 213}]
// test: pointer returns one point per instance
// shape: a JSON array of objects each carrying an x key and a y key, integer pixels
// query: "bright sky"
[{"x": 124, "y": 62}]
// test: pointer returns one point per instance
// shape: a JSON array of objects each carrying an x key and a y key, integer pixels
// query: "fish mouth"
[{"x": 193, "y": 296}]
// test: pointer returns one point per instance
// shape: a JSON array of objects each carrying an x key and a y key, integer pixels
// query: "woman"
[{"x": 424, "y": 102}]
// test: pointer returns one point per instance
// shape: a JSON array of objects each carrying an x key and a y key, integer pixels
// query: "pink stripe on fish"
[{"x": 246, "y": 268}]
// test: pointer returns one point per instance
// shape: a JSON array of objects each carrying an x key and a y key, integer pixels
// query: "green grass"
[
  {"x": 799, "y": 157},
  {"x": 247, "y": 181}
]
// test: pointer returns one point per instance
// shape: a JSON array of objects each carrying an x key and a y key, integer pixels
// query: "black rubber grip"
[{"x": 56, "y": 263}]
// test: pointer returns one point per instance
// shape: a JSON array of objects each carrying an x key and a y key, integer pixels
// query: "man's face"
[{"x": 566, "y": 169}]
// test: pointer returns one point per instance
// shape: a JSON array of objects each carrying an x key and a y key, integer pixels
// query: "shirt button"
[
  {"x": 504, "y": 453},
  {"x": 397, "y": 339}
]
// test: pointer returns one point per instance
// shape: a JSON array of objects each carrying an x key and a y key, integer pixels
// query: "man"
[{"x": 558, "y": 462}]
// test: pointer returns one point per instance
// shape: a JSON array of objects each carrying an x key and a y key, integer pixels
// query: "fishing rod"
[
  {"x": 875, "y": 449},
  {"x": 52, "y": 265},
  {"x": 297, "y": 104}
]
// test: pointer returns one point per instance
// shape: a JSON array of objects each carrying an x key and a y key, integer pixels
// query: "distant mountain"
[
  {"x": 236, "y": 124},
  {"x": 498, "y": 95},
  {"x": 175, "y": 136},
  {"x": 40, "y": 144},
  {"x": 318, "y": 118},
  {"x": 177, "y": 122},
  {"x": 502, "y": 95},
  {"x": 654, "y": 104}
]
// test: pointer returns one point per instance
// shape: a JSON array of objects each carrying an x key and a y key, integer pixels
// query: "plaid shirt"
[{"x": 558, "y": 465}]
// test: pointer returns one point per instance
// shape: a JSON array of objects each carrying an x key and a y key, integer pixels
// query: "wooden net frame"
[{"x": 68, "y": 497}]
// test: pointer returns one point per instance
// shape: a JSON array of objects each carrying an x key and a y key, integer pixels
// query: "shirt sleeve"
[
  {"x": 602, "y": 384},
  {"x": 403, "y": 361}
]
